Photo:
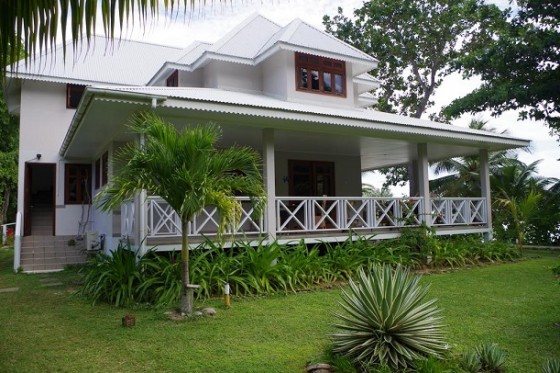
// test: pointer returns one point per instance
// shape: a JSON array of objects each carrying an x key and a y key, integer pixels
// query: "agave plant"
[
  {"x": 551, "y": 366},
  {"x": 386, "y": 320},
  {"x": 492, "y": 358}
]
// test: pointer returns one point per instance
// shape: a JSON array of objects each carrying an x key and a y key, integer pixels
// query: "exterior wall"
[
  {"x": 233, "y": 76},
  {"x": 347, "y": 172},
  {"x": 275, "y": 76},
  {"x": 44, "y": 120}
]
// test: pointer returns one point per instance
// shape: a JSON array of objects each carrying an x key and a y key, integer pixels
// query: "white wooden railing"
[
  {"x": 459, "y": 211},
  {"x": 317, "y": 214},
  {"x": 164, "y": 222},
  {"x": 309, "y": 214}
]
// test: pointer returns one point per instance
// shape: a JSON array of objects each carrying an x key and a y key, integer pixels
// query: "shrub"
[
  {"x": 161, "y": 279},
  {"x": 551, "y": 366},
  {"x": 470, "y": 362},
  {"x": 492, "y": 358},
  {"x": 113, "y": 278},
  {"x": 386, "y": 321}
]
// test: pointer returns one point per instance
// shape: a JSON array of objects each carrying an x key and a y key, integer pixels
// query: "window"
[
  {"x": 311, "y": 178},
  {"x": 77, "y": 184},
  {"x": 320, "y": 75},
  {"x": 102, "y": 170},
  {"x": 74, "y": 94},
  {"x": 105, "y": 165},
  {"x": 173, "y": 80}
]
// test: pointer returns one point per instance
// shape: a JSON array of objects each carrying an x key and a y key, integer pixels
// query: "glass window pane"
[
  {"x": 303, "y": 78},
  {"x": 315, "y": 80},
  {"x": 327, "y": 81},
  {"x": 338, "y": 84}
]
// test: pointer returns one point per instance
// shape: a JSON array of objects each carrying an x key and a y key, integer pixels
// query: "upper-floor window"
[
  {"x": 320, "y": 75},
  {"x": 173, "y": 80},
  {"x": 74, "y": 94}
]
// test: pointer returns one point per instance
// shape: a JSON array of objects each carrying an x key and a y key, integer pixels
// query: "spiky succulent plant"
[{"x": 385, "y": 320}]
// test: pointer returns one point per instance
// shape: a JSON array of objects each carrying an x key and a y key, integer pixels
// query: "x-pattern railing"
[
  {"x": 458, "y": 211},
  {"x": 316, "y": 214}
]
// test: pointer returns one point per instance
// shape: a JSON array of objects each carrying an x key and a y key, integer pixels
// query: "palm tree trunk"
[{"x": 186, "y": 293}]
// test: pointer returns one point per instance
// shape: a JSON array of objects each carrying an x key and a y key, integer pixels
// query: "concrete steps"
[{"x": 41, "y": 253}]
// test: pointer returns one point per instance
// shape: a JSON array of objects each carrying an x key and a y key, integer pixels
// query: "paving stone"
[
  {"x": 8, "y": 290},
  {"x": 51, "y": 284}
]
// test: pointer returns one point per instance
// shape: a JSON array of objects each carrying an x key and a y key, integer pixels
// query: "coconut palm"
[
  {"x": 187, "y": 170},
  {"x": 522, "y": 210},
  {"x": 463, "y": 173},
  {"x": 36, "y": 25}
]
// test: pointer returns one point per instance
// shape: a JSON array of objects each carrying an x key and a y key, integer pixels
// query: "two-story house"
[{"x": 294, "y": 93}]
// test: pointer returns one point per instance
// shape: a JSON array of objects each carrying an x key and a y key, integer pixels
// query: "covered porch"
[{"x": 313, "y": 158}]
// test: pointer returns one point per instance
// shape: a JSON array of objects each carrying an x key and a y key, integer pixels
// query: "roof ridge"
[{"x": 227, "y": 37}]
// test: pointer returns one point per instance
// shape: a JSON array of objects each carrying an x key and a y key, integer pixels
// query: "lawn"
[{"x": 46, "y": 328}]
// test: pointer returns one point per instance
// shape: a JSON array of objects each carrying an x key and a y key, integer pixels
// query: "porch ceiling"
[{"x": 101, "y": 120}]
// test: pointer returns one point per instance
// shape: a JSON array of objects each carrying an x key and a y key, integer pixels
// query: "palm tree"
[
  {"x": 35, "y": 25},
  {"x": 522, "y": 210},
  {"x": 463, "y": 173},
  {"x": 187, "y": 170}
]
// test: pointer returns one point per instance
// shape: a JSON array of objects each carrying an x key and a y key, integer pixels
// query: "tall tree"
[
  {"x": 187, "y": 170},
  {"x": 9, "y": 135},
  {"x": 520, "y": 69},
  {"x": 36, "y": 25},
  {"x": 416, "y": 43}
]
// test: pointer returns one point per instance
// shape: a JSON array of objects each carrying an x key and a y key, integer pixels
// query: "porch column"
[
  {"x": 424, "y": 183},
  {"x": 269, "y": 181},
  {"x": 142, "y": 212},
  {"x": 485, "y": 190}
]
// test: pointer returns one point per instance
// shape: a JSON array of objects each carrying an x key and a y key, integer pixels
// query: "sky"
[{"x": 213, "y": 20}]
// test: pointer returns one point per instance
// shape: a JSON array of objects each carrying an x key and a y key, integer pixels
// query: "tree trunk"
[
  {"x": 5, "y": 206},
  {"x": 186, "y": 292}
]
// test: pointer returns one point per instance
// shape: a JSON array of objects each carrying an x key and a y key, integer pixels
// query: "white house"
[{"x": 294, "y": 93}]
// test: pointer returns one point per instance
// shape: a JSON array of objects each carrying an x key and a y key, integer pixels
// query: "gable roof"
[{"x": 123, "y": 62}]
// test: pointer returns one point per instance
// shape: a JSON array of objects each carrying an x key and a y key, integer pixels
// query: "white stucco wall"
[
  {"x": 275, "y": 76},
  {"x": 347, "y": 172},
  {"x": 44, "y": 120},
  {"x": 233, "y": 76}
]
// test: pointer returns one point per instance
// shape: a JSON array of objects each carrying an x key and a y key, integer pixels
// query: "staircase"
[{"x": 47, "y": 253}]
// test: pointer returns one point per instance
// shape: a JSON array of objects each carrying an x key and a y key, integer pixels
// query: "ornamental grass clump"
[{"x": 385, "y": 320}]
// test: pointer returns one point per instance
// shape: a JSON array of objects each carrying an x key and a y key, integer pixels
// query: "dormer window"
[
  {"x": 320, "y": 75},
  {"x": 173, "y": 80}
]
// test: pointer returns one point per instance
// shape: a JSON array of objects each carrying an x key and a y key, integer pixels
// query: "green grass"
[{"x": 516, "y": 305}]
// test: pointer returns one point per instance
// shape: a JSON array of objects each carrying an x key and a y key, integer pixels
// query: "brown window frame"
[
  {"x": 83, "y": 195},
  {"x": 173, "y": 79},
  {"x": 313, "y": 165},
  {"x": 322, "y": 65},
  {"x": 72, "y": 89}
]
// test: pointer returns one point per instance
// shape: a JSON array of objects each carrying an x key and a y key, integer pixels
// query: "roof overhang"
[{"x": 380, "y": 139}]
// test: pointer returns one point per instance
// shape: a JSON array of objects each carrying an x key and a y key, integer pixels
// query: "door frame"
[{"x": 27, "y": 195}]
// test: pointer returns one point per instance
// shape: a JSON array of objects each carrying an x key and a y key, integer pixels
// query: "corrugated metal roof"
[
  {"x": 122, "y": 62},
  {"x": 366, "y": 116}
]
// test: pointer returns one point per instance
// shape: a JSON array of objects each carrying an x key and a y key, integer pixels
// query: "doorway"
[
  {"x": 311, "y": 178},
  {"x": 39, "y": 199}
]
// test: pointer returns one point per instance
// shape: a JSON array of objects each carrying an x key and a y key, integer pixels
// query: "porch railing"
[
  {"x": 309, "y": 214},
  {"x": 164, "y": 222},
  {"x": 318, "y": 214},
  {"x": 459, "y": 211}
]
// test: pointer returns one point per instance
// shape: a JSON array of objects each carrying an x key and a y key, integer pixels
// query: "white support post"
[
  {"x": 424, "y": 183},
  {"x": 485, "y": 190},
  {"x": 142, "y": 200},
  {"x": 269, "y": 181}
]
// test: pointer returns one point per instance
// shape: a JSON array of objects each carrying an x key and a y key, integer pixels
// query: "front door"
[
  {"x": 311, "y": 178},
  {"x": 39, "y": 199}
]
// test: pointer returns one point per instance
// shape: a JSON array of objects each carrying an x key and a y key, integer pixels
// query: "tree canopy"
[
  {"x": 34, "y": 26},
  {"x": 519, "y": 68}
]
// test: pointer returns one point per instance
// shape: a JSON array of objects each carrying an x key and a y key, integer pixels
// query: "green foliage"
[
  {"x": 385, "y": 320},
  {"x": 551, "y": 366},
  {"x": 524, "y": 50},
  {"x": 189, "y": 171},
  {"x": 114, "y": 278},
  {"x": 161, "y": 279},
  {"x": 492, "y": 358},
  {"x": 470, "y": 361},
  {"x": 9, "y": 137}
]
